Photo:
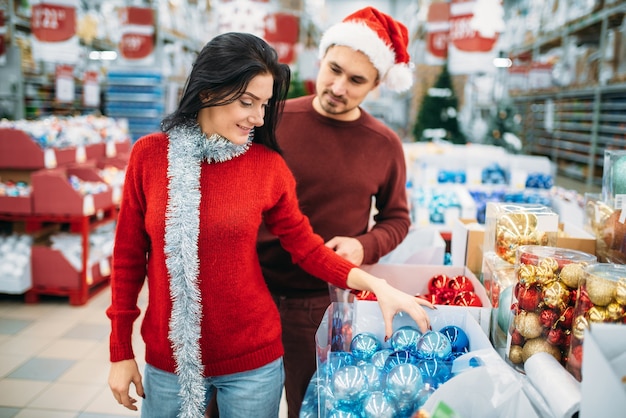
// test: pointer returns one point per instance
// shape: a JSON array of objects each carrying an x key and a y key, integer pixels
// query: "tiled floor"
[{"x": 54, "y": 359}]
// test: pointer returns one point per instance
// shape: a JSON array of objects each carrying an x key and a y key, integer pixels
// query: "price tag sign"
[
  {"x": 137, "y": 41},
  {"x": 110, "y": 149},
  {"x": 64, "y": 91},
  {"x": 91, "y": 89},
  {"x": 53, "y": 21},
  {"x": 105, "y": 267},
  {"x": 89, "y": 206},
  {"x": 49, "y": 158},
  {"x": 81, "y": 154}
]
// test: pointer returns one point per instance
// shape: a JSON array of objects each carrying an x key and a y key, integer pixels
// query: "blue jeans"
[{"x": 255, "y": 393}]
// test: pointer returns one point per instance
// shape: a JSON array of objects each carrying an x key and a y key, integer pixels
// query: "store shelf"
[
  {"x": 52, "y": 274},
  {"x": 138, "y": 95}
]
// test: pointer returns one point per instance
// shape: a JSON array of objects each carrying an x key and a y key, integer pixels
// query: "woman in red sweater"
[{"x": 194, "y": 197}]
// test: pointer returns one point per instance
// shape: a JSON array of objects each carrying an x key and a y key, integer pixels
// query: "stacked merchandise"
[{"x": 61, "y": 184}]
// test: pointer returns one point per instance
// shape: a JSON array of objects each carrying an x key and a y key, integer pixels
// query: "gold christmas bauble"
[
  {"x": 620, "y": 291},
  {"x": 614, "y": 312},
  {"x": 528, "y": 324},
  {"x": 549, "y": 263},
  {"x": 539, "y": 345},
  {"x": 526, "y": 274},
  {"x": 515, "y": 354},
  {"x": 571, "y": 274},
  {"x": 556, "y": 295},
  {"x": 601, "y": 291},
  {"x": 579, "y": 326},
  {"x": 544, "y": 275},
  {"x": 597, "y": 314}
]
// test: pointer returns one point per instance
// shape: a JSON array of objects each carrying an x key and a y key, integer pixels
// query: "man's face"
[{"x": 345, "y": 78}]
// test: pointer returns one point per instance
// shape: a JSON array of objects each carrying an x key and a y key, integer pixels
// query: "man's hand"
[
  {"x": 348, "y": 248},
  {"x": 121, "y": 375}
]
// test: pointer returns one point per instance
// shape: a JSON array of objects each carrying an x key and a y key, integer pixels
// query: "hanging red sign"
[
  {"x": 137, "y": 41},
  {"x": 438, "y": 29},
  {"x": 282, "y": 32},
  {"x": 462, "y": 36},
  {"x": 52, "y": 22}
]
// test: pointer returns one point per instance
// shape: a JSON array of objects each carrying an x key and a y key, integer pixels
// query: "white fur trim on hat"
[{"x": 359, "y": 36}]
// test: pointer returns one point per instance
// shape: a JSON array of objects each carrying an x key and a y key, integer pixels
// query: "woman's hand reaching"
[{"x": 391, "y": 300}]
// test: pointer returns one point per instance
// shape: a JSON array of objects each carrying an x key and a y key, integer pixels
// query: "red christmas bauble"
[
  {"x": 529, "y": 298},
  {"x": 467, "y": 299},
  {"x": 567, "y": 339},
  {"x": 566, "y": 318},
  {"x": 583, "y": 302},
  {"x": 429, "y": 297},
  {"x": 364, "y": 295},
  {"x": 576, "y": 356},
  {"x": 437, "y": 282},
  {"x": 555, "y": 336},
  {"x": 445, "y": 296},
  {"x": 548, "y": 317},
  {"x": 460, "y": 284},
  {"x": 528, "y": 258},
  {"x": 516, "y": 338}
]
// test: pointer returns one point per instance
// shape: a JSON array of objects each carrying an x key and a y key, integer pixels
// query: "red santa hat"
[{"x": 380, "y": 37}]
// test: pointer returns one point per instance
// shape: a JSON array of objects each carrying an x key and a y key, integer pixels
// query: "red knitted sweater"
[{"x": 240, "y": 327}]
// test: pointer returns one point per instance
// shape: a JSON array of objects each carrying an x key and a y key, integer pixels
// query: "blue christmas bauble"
[
  {"x": 404, "y": 382},
  {"x": 503, "y": 310},
  {"x": 433, "y": 344},
  {"x": 434, "y": 372},
  {"x": 349, "y": 385},
  {"x": 619, "y": 176},
  {"x": 424, "y": 394},
  {"x": 364, "y": 345},
  {"x": 398, "y": 357},
  {"x": 380, "y": 357},
  {"x": 343, "y": 412},
  {"x": 373, "y": 375},
  {"x": 378, "y": 405},
  {"x": 405, "y": 338},
  {"x": 337, "y": 360},
  {"x": 458, "y": 338}
]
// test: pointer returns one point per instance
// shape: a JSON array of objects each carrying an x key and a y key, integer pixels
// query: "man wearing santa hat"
[{"x": 342, "y": 158}]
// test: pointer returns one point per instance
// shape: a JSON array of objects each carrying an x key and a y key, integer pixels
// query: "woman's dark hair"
[{"x": 220, "y": 75}]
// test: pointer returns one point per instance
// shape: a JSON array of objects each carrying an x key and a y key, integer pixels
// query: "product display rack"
[
  {"x": 573, "y": 125},
  {"x": 52, "y": 274},
  {"x": 55, "y": 205},
  {"x": 138, "y": 95}
]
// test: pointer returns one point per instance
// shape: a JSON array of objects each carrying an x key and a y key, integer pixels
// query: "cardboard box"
[
  {"x": 466, "y": 247},
  {"x": 342, "y": 321},
  {"x": 422, "y": 245},
  {"x": 575, "y": 238},
  {"x": 414, "y": 279},
  {"x": 603, "y": 386}
]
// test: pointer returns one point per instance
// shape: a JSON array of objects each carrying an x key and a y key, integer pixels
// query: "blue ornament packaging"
[{"x": 366, "y": 376}]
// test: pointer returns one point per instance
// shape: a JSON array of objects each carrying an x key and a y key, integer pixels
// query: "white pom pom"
[{"x": 399, "y": 78}]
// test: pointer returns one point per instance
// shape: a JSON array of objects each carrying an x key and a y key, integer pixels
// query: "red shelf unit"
[{"x": 52, "y": 273}]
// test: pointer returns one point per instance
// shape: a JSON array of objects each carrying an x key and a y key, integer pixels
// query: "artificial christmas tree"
[{"x": 437, "y": 117}]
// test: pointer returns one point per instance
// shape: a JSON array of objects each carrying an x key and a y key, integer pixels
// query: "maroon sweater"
[
  {"x": 240, "y": 328},
  {"x": 339, "y": 167}
]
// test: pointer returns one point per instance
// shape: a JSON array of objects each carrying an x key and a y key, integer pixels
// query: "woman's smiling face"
[{"x": 235, "y": 120}]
